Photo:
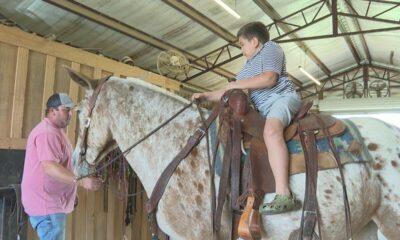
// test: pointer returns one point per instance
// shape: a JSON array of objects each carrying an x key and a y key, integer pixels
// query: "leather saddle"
[{"x": 240, "y": 122}]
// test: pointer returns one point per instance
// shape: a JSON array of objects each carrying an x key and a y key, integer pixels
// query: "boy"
[{"x": 274, "y": 96}]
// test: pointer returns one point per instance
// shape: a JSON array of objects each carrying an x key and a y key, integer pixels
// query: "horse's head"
[{"x": 94, "y": 139}]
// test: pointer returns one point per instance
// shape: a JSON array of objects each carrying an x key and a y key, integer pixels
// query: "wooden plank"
[
  {"x": 20, "y": 38},
  {"x": 90, "y": 210},
  {"x": 13, "y": 143},
  {"x": 21, "y": 72},
  {"x": 73, "y": 93},
  {"x": 111, "y": 214},
  {"x": 8, "y": 62},
  {"x": 79, "y": 225},
  {"x": 34, "y": 92},
  {"x": 61, "y": 83},
  {"x": 97, "y": 74},
  {"x": 49, "y": 75},
  {"x": 100, "y": 227},
  {"x": 31, "y": 233}
]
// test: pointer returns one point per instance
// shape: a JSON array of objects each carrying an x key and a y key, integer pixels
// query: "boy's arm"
[
  {"x": 213, "y": 96},
  {"x": 264, "y": 80}
]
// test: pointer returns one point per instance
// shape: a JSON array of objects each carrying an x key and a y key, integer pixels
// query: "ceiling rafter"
[
  {"x": 212, "y": 26},
  {"x": 93, "y": 15},
  {"x": 270, "y": 11},
  {"x": 226, "y": 48},
  {"x": 338, "y": 24},
  {"x": 200, "y": 18}
]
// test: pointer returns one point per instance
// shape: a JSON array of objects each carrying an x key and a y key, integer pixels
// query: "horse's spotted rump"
[
  {"x": 377, "y": 166},
  {"x": 394, "y": 163},
  {"x": 199, "y": 201},
  {"x": 338, "y": 179},
  {"x": 328, "y": 191},
  {"x": 372, "y": 147},
  {"x": 200, "y": 188},
  {"x": 381, "y": 180}
]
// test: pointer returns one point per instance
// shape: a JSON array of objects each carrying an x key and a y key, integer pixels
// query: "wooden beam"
[
  {"x": 16, "y": 37},
  {"x": 21, "y": 73},
  {"x": 73, "y": 93},
  {"x": 13, "y": 143}
]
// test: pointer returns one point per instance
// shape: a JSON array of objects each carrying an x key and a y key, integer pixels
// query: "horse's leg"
[{"x": 385, "y": 171}]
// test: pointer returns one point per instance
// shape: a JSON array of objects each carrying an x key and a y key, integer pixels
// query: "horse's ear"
[{"x": 84, "y": 81}]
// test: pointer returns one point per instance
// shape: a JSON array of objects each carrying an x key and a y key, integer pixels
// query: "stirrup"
[{"x": 249, "y": 223}]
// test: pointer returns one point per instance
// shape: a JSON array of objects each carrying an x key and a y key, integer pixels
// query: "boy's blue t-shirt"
[{"x": 269, "y": 58}]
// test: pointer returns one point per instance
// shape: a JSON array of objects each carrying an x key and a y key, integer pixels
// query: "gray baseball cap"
[{"x": 60, "y": 100}]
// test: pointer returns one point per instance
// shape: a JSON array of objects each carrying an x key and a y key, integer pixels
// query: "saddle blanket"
[{"x": 349, "y": 146}]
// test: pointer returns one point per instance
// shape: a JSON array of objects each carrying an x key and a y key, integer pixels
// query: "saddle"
[{"x": 242, "y": 126}]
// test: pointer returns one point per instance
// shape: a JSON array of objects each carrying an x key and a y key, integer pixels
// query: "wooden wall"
[{"x": 31, "y": 69}]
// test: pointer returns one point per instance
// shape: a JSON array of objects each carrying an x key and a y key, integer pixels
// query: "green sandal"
[{"x": 280, "y": 204}]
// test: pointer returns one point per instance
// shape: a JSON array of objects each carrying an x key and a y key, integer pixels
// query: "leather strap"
[
  {"x": 223, "y": 181},
  {"x": 92, "y": 104},
  {"x": 345, "y": 198},
  {"x": 192, "y": 142},
  {"x": 310, "y": 209},
  {"x": 235, "y": 164}
]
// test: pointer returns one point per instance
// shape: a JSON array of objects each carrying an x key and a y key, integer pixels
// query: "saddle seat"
[{"x": 252, "y": 127}]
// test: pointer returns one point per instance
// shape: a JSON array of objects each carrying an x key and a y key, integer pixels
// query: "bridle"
[
  {"x": 92, "y": 104},
  {"x": 85, "y": 133}
]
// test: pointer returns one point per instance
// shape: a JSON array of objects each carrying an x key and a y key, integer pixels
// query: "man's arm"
[{"x": 57, "y": 171}]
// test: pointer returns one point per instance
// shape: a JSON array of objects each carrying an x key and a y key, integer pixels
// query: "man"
[{"x": 48, "y": 183}]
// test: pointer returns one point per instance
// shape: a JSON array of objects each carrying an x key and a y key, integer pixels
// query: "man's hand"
[{"x": 90, "y": 183}]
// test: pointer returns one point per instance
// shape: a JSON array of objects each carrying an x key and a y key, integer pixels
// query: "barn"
[{"x": 343, "y": 55}]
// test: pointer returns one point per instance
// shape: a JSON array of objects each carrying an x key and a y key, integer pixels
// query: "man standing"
[{"x": 48, "y": 183}]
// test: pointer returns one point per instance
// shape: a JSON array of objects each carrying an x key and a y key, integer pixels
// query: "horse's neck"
[{"x": 136, "y": 117}]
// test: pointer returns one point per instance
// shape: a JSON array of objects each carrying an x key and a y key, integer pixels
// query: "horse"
[{"x": 127, "y": 109}]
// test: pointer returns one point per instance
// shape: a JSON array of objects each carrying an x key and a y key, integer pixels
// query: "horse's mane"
[{"x": 153, "y": 87}]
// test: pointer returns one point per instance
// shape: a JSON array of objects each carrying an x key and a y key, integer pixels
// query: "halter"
[
  {"x": 84, "y": 136},
  {"x": 92, "y": 104}
]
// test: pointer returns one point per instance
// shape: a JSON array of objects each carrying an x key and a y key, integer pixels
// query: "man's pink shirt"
[{"x": 42, "y": 194}]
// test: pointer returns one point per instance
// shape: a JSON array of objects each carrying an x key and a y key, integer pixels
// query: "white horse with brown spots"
[{"x": 128, "y": 109}]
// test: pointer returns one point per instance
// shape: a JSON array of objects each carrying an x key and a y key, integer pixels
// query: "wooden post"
[
  {"x": 49, "y": 74},
  {"x": 21, "y": 73}
]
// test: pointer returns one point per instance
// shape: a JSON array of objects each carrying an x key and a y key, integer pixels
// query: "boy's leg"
[
  {"x": 278, "y": 116},
  {"x": 277, "y": 154}
]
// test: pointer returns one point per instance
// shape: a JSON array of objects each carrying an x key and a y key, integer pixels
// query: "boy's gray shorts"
[{"x": 282, "y": 107}]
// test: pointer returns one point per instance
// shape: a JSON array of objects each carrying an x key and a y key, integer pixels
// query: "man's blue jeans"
[{"x": 49, "y": 227}]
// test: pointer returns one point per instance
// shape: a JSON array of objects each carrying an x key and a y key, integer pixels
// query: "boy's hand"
[{"x": 197, "y": 96}]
